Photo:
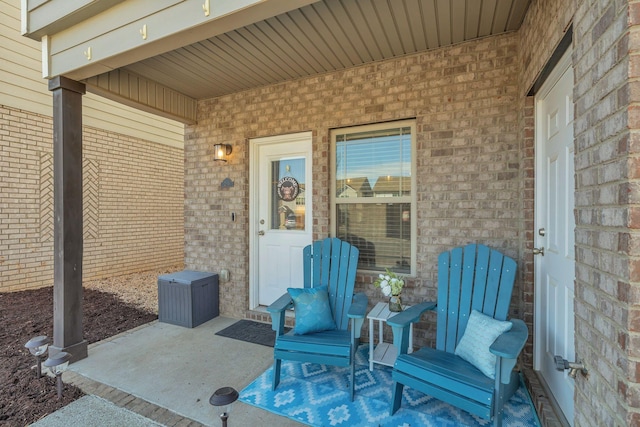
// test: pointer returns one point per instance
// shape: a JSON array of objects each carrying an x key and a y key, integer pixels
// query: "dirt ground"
[{"x": 110, "y": 306}]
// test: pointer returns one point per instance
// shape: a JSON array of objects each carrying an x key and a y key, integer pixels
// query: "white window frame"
[{"x": 412, "y": 199}]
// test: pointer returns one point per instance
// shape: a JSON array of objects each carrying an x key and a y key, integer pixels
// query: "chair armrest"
[
  {"x": 400, "y": 324},
  {"x": 356, "y": 314},
  {"x": 509, "y": 344},
  {"x": 358, "y": 307},
  {"x": 281, "y": 304},
  {"x": 410, "y": 315},
  {"x": 277, "y": 310}
]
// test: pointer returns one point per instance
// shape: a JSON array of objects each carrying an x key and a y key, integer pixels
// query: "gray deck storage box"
[{"x": 187, "y": 298}]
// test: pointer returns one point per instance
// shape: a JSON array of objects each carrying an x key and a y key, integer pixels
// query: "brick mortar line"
[{"x": 130, "y": 402}]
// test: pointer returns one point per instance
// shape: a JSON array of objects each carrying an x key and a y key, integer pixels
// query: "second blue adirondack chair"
[
  {"x": 474, "y": 283},
  {"x": 331, "y": 263}
]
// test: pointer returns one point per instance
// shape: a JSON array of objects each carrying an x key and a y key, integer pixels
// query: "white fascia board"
[
  {"x": 46, "y": 64},
  {"x": 114, "y": 38},
  {"x": 46, "y": 17}
]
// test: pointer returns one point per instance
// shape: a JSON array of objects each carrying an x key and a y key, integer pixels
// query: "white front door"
[
  {"x": 555, "y": 232},
  {"x": 280, "y": 214}
]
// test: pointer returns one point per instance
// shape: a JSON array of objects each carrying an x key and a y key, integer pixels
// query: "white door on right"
[{"x": 555, "y": 232}]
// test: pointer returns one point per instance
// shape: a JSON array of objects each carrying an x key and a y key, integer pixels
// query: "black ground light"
[
  {"x": 224, "y": 398},
  {"x": 38, "y": 347},
  {"x": 57, "y": 365}
]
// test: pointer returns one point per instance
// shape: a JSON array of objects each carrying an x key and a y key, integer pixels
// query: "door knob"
[
  {"x": 261, "y": 233},
  {"x": 573, "y": 367},
  {"x": 538, "y": 251},
  {"x": 542, "y": 231}
]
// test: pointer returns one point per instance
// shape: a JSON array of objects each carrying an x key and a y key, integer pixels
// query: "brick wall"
[
  {"x": 543, "y": 27},
  {"x": 605, "y": 45},
  {"x": 133, "y": 202},
  {"x": 628, "y": 294},
  {"x": 464, "y": 99},
  {"x": 606, "y": 203}
]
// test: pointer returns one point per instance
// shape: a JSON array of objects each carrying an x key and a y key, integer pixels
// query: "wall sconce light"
[
  {"x": 221, "y": 152},
  {"x": 224, "y": 398},
  {"x": 57, "y": 365},
  {"x": 38, "y": 346}
]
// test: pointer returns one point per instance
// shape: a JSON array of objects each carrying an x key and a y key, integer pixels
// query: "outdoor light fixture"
[
  {"x": 57, "y": 365},
  {"x": 224, "y": 397},
  {"x": 221, "y": 152},
  {"x": 38, "y": 346}
]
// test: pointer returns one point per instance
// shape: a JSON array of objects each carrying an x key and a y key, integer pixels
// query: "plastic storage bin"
[{"x": 188, "y": 298}]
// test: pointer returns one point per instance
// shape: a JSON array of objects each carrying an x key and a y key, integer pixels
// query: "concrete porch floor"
[{"x": 162, "y": 374}]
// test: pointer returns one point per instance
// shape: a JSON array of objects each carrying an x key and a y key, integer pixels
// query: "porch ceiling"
[
  {"x": 325, "y": 36},
  {"x": 242, "y": 44}
]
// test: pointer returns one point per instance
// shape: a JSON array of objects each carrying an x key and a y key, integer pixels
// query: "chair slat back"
[
  {"x": 471, "y": 277},
  {"x": 333, "y": 262}
]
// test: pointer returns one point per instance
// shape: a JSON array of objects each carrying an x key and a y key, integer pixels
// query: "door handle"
[
  {"x": 538, "y": 251},
  {"x": 261, "y": 233}
]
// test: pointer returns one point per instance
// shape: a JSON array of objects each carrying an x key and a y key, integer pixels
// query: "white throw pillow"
[{"x": 481, "y": 332}]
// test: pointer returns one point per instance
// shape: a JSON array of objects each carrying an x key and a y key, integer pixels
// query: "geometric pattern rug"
[{"x": 317, "y": 395}]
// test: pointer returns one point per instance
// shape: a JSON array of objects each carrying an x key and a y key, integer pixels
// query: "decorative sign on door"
[
  {"x": 288, "y": 192},
  {"x": 288, "y": 188}
]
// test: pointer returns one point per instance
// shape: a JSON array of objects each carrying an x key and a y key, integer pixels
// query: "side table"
[{"x": 383, "y": 353}]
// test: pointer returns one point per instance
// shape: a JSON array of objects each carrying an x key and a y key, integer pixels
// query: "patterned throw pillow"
[
  {"x": 481, "y": 332},
  {"x": 312, "y": 309}
]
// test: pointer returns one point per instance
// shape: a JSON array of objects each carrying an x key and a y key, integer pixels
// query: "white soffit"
[{"x": 326, "y": 36}]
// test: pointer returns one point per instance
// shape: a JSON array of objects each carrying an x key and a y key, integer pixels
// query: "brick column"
[{"x": 67, "y": 189}]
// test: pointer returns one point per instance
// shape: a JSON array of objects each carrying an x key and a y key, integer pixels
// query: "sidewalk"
[{"x": 95, "y": 411}]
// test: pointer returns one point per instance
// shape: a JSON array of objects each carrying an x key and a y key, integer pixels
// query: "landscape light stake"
[
  {"x": 38, "y": 347},
  {"x": 57, "y": 365},
  {"x": 224, "y": 397}
]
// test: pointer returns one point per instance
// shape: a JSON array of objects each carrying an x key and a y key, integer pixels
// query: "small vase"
[{"x": 395, "y": 303}]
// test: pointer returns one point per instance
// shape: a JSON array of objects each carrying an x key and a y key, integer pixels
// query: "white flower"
[
  {"x": 386, "y": 290},
  {"x": 389, "y": 283}
]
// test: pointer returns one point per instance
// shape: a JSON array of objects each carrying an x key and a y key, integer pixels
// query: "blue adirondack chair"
[
  {"x": 470, "y": 278},
  {"x": 331, "y": 262}
]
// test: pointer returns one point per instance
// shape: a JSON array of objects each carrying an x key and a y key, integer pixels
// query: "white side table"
[{"x": 383, "y": 353}]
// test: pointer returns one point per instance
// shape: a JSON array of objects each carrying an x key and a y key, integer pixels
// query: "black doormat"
[{"x": 250, "y": 331}]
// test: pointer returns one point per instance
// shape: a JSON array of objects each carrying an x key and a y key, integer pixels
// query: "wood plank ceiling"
[{"x": 325, "y": 36}]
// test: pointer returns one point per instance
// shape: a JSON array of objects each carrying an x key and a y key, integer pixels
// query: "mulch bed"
[{"x": 24, "y": 398}]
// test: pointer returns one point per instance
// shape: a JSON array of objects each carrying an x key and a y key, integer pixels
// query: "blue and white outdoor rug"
[{"x": 317, "y": 395}]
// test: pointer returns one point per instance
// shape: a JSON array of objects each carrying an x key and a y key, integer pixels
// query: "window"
[{"x": 373, "y": 201}]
